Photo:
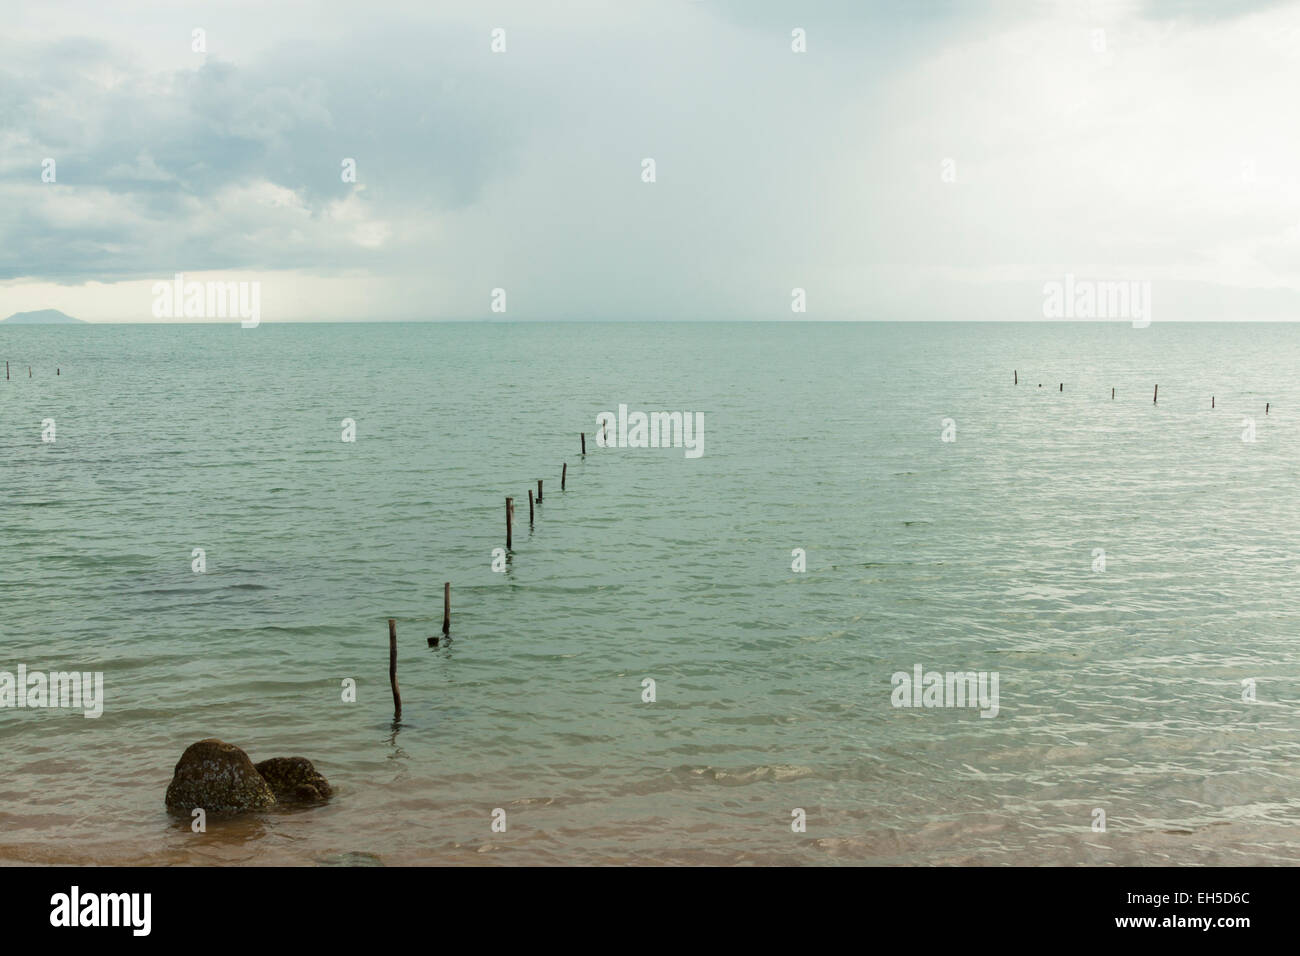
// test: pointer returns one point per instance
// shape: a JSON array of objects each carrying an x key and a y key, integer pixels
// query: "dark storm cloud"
[{"x": 150, "y": 152}]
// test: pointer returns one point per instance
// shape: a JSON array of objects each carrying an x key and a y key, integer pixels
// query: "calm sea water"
[{"x": 1120, "y": 689}]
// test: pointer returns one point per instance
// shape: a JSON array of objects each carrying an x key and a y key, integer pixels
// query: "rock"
[
  {"x": 294, "y": 779},
  {"x": 218, "y": 777}
]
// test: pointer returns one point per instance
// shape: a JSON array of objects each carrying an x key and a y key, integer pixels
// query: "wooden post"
[
  {"x": 1112, "y": 394},
  {"x": 29, "y": 371},
  {"x": 1211, "y": 401},
  {"x": 539, "y": 491},
  {"x": 1016, "y": 373},
  {"x": 564, "y": 473},
  {"x": 584, "y": 434},
  {"x": 1062, "y": 388},
  {"x": 530, "y": 507},
  {"x": 1155, "y": 396},
  {"x": 446, "y": 608},
  {"x": 510, "y": 520},
  {"x": 56, "y": 371},
  {"x": 392, "y": 669},
  {"x": 1266, "y": 404},
  {"x": 6, "y": 371}
]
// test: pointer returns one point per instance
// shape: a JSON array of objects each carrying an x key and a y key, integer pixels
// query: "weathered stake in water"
[
  {"x": 530, "y": 507},
  {"x": 584, "y": 434},
  {"x": 1155, "y": 396},
  {"x": 510, "y": 520},
  {"x": 392, "y": 669},
  {"x": 433, "y": 639},
  {"x": 539, "y": 491},
  {"x": 564, "y": 474}
]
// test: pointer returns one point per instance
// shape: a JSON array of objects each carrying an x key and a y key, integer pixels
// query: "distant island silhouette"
[{"x": 43, "y": 317}]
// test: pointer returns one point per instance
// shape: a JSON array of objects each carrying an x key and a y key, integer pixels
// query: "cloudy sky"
[{"x": 1163, "y": 148}]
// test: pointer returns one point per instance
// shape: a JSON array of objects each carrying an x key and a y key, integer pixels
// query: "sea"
[{"x": 682, "y": 660}]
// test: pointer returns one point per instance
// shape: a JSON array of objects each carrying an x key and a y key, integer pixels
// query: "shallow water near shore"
[{"x": 1120, "y": 689}]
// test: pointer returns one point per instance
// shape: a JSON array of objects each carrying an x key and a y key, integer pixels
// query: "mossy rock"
[
  {"x": 218, "y": 777},
  {"x": 294, "y": 780}
]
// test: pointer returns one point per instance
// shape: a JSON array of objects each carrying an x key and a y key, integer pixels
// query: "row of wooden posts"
[
  {"x": 29, "y": 371},
  {"x": 1155, "y": 395},
  {"x": 446, "y": 587}
]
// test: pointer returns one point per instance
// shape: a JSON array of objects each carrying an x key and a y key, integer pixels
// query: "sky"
[{"x": 914, "y": 161}]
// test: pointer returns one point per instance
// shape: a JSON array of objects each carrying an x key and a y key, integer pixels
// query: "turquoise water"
[{"x": 1119, "y": 689}]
